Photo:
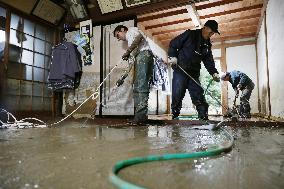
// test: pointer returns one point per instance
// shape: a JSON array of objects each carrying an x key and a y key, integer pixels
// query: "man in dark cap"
[
  {"x": 188, "y": 50},
  {"x": 240, "y": 81}
]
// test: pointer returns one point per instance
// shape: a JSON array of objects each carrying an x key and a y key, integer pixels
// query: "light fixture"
[
  {"x": 77, "y": 9},
  {"x": 191, "y": 10}
]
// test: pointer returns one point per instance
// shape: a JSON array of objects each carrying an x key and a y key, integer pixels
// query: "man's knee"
[
  {"x": 200, "y": 103},
  {"x": 244, "y": 100}
]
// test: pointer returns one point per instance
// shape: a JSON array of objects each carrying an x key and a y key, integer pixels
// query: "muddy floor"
[{"x": 81, "y": 156}]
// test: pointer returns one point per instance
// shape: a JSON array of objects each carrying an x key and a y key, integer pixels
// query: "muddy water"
[{"x": 74, "y": 157}]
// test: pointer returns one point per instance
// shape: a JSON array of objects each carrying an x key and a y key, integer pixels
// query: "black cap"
[{"x": 213, "y": 25}]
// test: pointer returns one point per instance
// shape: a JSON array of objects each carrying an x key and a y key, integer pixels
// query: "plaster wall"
[
  {"x": 243, "y": 58},
  {"x": 275, "y": 41},
  {"x": 262, "y": 72}
]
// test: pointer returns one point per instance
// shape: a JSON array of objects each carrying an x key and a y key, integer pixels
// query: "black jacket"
[{"x": 190, "y": 49}]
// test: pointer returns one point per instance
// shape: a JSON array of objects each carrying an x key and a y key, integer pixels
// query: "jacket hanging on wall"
[
  {"x": 160, "y": 79},
  {"x": 65, "y": 67}
]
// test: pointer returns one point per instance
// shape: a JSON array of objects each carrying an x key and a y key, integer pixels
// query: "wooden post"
[
  {"x": 224, "y": 94},
  {"x": 257, "y": 80},
  {"x": 168, "y": 104},
  {"x": 267, "y": 67}
]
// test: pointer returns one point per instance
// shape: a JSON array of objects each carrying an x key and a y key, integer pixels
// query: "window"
[
  {"x": 2, "y": 33},
  {"x": 30, "y": 46}
]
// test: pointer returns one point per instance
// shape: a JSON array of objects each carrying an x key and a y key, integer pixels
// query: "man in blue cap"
[
  {"x": 188, "y": 50},
  {"x": 240, "y": 81}
]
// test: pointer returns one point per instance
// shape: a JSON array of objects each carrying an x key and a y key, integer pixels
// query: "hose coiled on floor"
[{"x": 122, "y": 184}]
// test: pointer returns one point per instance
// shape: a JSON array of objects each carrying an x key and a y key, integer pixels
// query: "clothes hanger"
[{"x": 64, "y": 39}]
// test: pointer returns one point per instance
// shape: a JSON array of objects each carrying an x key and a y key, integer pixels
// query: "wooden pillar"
[
  {"x": 267, "y": 66},
  {"x": 224, "y": 94},
  {"x": 168, "y": 104},
  {"x": 257, "y": 80}
]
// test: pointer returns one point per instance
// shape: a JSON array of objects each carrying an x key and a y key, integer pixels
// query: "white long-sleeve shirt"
[{"x": 131, "y": 35}]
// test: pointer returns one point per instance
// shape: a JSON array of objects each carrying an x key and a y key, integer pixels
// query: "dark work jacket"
[
  {"x": 64, "y": 61},
  {"x": 237, "y": 77},
  {"x": 190, "y": 49},
  {"x": 65, "y": 67}
]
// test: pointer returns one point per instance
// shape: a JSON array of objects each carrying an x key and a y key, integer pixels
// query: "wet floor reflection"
[{"x": 74, "y": 157}]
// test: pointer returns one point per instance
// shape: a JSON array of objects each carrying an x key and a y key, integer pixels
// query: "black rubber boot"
[
  {"x": 245, "y": 110},
  {"x": 141, "y": 107},
  {"x": 202, "y": 110},
  {"x": 175, "y": 116}
]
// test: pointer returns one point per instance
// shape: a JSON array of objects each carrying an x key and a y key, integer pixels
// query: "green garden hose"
[
  {"x": 208, "y": 85},
  {"x": 122, "y": 184},
  {"x": 187, "y": 117}
]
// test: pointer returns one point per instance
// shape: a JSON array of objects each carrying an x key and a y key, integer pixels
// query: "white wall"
[
  {"x": 275, "y": 28},
  {"x": 262, "y": 72},
  {"x": 275, "y": 41},
  {"x": 243, "y": 58}
]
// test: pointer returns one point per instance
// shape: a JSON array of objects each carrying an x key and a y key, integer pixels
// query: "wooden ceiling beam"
[
  {"x": 193, "y": 14},
  {"x": 234, "y": 44},
  {"x": 98, "y": 18},
  {"x": 215, "y": 4},
  {"x": 182, "y": 11},
  {"x": 232, "y": 11},
  {"x": 162, "y": 15},
  {"x": 222, "y": 39},
  {"x": 171, "y": 31},
  {"x": 235, "y": 37},
  {"x": 232, "y": 20},
  {"x": 235, "y": 31},
  {"x": 228, "y": 32},
  {"x": 167, "y": 24},
  {"x": 265, "y": 2},
  {"x": 206, "y": 16}
]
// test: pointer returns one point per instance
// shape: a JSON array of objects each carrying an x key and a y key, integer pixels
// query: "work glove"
[
  {"x": 172, "y": 61},
  {"x": 239, "y": 86},
  {"x": 216, "y": 77},
  {"x": 126, "y": 55}
]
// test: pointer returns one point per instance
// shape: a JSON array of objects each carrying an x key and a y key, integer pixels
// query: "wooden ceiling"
[
  {"x": 162, "y": 20},
  {"x": 238, "y": 19},
  {"x": 152, "y": 6}
]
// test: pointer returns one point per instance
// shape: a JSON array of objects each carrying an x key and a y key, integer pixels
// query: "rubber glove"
[
  {"x": 216, "y": 77},
  {"x": 172, "y": 61}
]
